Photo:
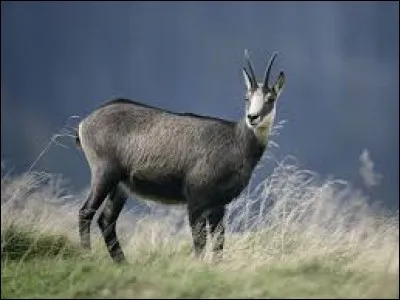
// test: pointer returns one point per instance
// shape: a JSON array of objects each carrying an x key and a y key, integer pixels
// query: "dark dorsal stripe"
[{"x": 184, "y": 114}]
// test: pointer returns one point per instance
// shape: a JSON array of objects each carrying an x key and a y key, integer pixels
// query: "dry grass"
[{"x": 291, "y": 220}]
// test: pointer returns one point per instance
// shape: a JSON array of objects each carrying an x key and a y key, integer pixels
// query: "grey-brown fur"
[{"x": 164, "y": 156}]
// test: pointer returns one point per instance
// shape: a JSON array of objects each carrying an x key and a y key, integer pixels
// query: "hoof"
[{"x": 119, "y": 259}]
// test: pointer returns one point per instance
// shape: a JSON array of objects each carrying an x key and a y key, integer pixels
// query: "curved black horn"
[
  {"x": 268, "y": 71},
  {"x": 252, "y": 75}
]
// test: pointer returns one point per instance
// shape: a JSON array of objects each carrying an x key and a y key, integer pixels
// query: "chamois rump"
[{"x": 174, "y": 158}]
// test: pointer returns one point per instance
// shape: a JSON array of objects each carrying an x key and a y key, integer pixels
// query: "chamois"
[{"x": 173, "y": 158}]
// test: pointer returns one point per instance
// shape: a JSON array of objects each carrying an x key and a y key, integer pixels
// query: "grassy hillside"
[{"x": 292, "y": 236}]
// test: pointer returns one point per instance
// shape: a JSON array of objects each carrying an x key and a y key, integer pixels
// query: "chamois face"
[{"x": 261, "y": 100}]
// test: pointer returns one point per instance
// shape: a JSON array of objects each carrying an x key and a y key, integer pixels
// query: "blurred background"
[{"x": 341, "y": 59}]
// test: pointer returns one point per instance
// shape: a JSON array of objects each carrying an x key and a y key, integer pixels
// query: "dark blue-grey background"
[{"x": 341, "y": 59}]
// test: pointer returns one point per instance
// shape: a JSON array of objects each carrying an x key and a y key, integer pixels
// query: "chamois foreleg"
[
  {"x": 217, "y": 230},
  {"x": 197, "y": 222}
]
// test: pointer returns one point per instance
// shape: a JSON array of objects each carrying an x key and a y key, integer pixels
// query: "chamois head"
[{"x": 261, "y": 98}]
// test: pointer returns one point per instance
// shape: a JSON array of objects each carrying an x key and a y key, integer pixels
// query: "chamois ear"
[
  {"x": 247, "y": 79},
  {"x": 279, "y": 84}
]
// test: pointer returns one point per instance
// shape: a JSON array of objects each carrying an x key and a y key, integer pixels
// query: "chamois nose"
[{"x": 252, "y": 118}]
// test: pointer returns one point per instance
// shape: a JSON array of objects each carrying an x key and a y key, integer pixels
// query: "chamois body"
[
  {"x": 172, "y": 158},
  {"x": 162, "y": 156}
]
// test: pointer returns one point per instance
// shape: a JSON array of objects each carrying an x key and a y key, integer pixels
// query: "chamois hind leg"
[
  {"x": 217, "y": 230},
  {"x": 107, "y": 223},
  {"x": 103, "y": 180}
]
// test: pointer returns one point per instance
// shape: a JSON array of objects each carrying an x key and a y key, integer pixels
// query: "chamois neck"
[{"x": 251, "y": 145}]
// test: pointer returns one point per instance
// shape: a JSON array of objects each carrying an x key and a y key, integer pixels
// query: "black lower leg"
[
  {"x": 102, "y": 182},
  {"x": 217, "y": 229},
  {"x": 107, "y": 223},
  {"x": 198, "y": 226},
  {"x": 111, "y": 240},
  {"x": 85, "y": 220}
]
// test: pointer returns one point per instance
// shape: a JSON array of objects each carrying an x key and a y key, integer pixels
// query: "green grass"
[
  {"x": 21, "y": 243},
  {"x": 39, "y": 265}
]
